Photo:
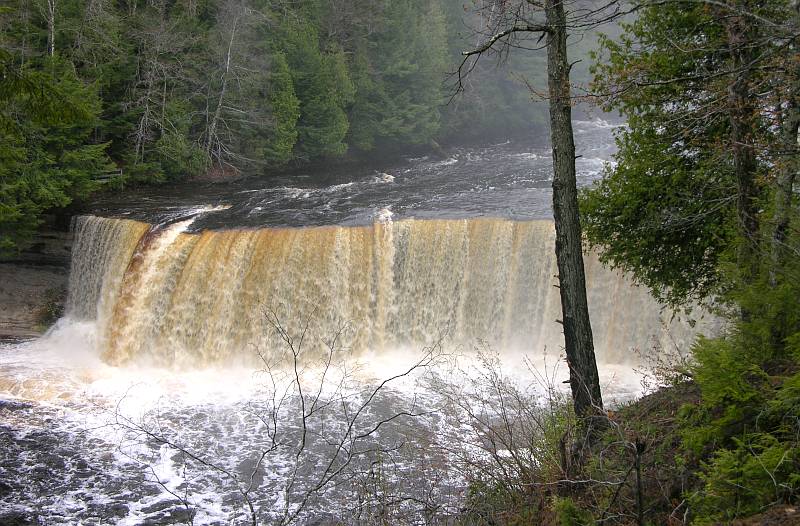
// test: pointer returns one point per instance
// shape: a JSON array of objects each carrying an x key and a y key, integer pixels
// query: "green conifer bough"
[{"x": 46, "y": 156}]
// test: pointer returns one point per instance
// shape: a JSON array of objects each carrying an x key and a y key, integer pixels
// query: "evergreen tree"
[
  {"x": 400, "y": 80},
  {"x": 495, "y": 102},
  {"x": 323, "y": 87},
  {"x": 365, "y": 113},
  {"x": 46, "y": 156},
  {"x": 683, "y": 196},
  {"x": 285, "y": 113},
  {"x": 181, "y": 88}
]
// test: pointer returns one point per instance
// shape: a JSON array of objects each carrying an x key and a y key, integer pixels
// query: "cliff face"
[{"x": 33, "y": 282}]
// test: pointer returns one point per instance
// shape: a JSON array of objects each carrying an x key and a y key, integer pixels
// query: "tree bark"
[
  {"x": 788, "y": 171},
  {"x": 51, "y": 27},
  {"x": 741, "y": 115},
  {"x": 579, "y": 345}
]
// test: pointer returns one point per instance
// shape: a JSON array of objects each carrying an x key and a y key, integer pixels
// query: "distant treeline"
[{"x": 180, "y": 88}]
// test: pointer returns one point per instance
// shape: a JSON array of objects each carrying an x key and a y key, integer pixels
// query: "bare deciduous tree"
[
  {"x": 236, "y": 108},
  {"x": 160, "y": 65},
  {"x": 329, "y": 430},
  {"x": 515, "y": 453}
]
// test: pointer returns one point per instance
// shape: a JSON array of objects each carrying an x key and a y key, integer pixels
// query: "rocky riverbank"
[{"x": 33, "y": 282}]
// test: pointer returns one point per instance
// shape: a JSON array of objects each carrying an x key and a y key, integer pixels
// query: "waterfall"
[{"x": 169, "y": 297}]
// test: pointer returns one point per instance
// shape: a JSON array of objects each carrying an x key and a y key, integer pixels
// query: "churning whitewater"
[{"x": 174, "y": 388}]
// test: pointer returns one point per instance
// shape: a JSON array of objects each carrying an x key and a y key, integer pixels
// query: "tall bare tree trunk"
[
  {"x": 51, "y": 27},
  {"x": 212, "y": 140},
  {"x": 784, "y": 188},
  {"x": 143, "y": 128},
  {"x": 583, "y": 377}
]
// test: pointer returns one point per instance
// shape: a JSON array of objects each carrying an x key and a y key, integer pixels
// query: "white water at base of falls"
[{"x": 63, "y": 401}]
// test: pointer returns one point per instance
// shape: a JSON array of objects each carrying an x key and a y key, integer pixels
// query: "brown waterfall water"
[{"x": 166, "y": 297}]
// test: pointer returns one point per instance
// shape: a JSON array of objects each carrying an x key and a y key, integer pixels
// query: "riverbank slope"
[{"x": 34, "y": 282}]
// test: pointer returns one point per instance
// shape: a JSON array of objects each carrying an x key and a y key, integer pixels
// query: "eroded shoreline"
[{"x": 34, "y": 283}]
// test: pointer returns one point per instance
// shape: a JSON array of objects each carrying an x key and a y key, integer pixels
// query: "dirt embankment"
[{"x": 33, "y": 283}]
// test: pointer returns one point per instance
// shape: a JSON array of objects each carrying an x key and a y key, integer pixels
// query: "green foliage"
[
  {"x": 46, "y": 156},
  {"x": 569, "y": 514},
  {"x": 664, "y": 211},
  {"x": 285, "y": 111},
  {"x": 783, "y": 410},
  {"x": 323, "y": 87},
  {"x": 773, "y": 317},
  {"x": 737, "y": 372},
  {"x": 174, "y": 155},
  {"x": 758, "y": 471},
  {"x": 727, "y": 373},
  {"x": 759, "y": 467},
  {"x": 144, "y": 172},
  {"x": 793, "y": 346},
  {"x": 667, "y": 213},
  {"x": 732, "y": 386},
  {"x": 398, "y": 72},
  {"x": 651, "y": 214},
  {"x": 412, "y": 74},
  {"x": 177, "y": 87},
  {"x": 250, "y": 84},
  {"x": 178, "y": 157},
  {"x": 747, "y": 425},
  {"x": 365, "y": 112}
]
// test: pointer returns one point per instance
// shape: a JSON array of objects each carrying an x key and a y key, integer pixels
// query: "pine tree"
[
  {"x": 285, "y": 109},
  {"x": 400, "y": 79},
  {"x": 323, "y": 87},
  {"x": 46, "y": 156}
]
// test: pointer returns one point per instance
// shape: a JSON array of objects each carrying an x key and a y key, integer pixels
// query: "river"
[{"x": 223, "y": 346}]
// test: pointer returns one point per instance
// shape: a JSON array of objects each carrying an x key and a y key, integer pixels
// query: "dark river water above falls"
[{"x": 511, "y": 181}]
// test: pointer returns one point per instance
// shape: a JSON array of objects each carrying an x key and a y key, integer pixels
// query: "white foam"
[
  {"x": 384, "y": 215},
  {"x": 383, "y": 178},
  {"x": 446, "y": 162},
  {"x": 295, "y": 193},
  {"x": 207, "y": 209},
  {"x": 211, "y": 413},
  {"x": 337, "y": 188}
]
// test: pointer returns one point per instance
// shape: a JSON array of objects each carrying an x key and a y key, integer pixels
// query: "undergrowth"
[{"x": 719, "y": 442}]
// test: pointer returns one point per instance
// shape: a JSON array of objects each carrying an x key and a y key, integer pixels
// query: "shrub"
[
  {"x": 569, "y": 514},
  {"x": 760, "y": 470}
]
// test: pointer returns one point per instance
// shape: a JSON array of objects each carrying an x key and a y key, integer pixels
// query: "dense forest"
[{"x": 150, "y": 91}]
